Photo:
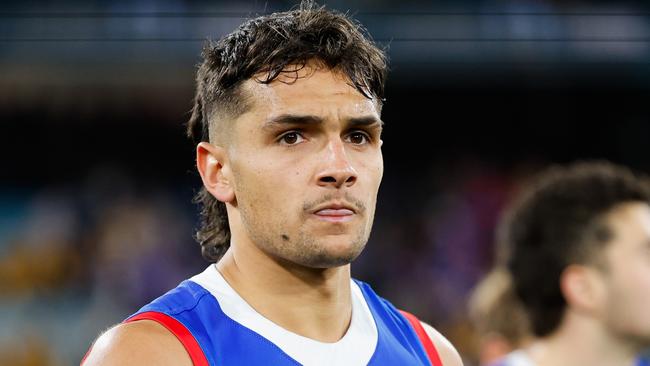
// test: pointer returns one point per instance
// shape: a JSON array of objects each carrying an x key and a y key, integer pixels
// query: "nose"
[{"x": 336, "y": 170}]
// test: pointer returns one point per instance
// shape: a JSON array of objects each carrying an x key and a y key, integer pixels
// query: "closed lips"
[{"x": 334, "y": 212}]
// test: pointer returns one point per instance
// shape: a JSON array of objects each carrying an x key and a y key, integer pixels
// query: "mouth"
[{"x": 335, "y": 212}]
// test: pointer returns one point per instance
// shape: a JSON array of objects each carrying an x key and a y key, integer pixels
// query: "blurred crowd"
[
  {"x": 76, "y": 259},
  {"x": 79, "y": 257}
]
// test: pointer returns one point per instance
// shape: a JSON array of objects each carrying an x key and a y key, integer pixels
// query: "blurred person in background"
[
  {"x": 578, "y": 242},
  {"x": 500, "y": 324},
  {"x": 287, "y": 120}
]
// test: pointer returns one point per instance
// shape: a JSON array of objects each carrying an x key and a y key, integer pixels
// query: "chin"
[
  {"x": 333, "y": 257},
  {"x": 324, "y": 251},
  {"x": 330, "y": 261}
]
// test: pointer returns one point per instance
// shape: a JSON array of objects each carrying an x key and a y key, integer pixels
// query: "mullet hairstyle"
[{"x": 271, "y": 45}]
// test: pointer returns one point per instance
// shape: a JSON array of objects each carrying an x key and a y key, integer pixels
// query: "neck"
[
  {"x": 306, "y": 301},
  {"x": 582, "y": 340}
]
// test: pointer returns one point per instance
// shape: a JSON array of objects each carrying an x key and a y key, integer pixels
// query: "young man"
[
  {"x": 579, "y": 242},
  {"x": 287, "y": 115}
]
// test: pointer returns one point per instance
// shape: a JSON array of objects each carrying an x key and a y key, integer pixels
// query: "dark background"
[{"x": 97, "y": 176}]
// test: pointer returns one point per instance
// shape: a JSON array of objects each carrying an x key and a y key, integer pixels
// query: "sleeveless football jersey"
[{"x": 217, "y": 327}]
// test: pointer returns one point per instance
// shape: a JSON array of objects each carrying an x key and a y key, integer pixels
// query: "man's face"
[
  {"x": 306, "y": 166},
  {"x": 627, "y": 274}
]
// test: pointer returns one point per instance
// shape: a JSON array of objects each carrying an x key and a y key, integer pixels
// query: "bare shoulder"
[
  {"x": 142, "y": 342},
  {"x": 448, "y": 354}
]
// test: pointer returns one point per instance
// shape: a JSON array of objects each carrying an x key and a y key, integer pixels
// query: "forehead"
[{"x": 311, "y": 89}]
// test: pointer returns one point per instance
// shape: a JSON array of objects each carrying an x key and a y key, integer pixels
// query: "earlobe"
[{"x": 214, "y": 169}]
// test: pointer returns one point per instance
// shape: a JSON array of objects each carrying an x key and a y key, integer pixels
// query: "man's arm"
[
  {"x": 448, "y": 354},
  {"x": 143, "y": 342}
]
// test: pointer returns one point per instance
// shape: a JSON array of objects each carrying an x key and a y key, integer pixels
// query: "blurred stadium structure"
[{"x": 97, "y": 178}]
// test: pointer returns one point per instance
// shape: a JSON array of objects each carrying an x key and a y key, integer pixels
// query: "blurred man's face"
[
  {"x": 306, "y": 165},
  {"x": 627, "y": 274}
]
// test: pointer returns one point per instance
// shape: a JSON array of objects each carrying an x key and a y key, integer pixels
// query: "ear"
[
  {"x": 583, "y": 288},
  {"x": 213, "y": 166}
]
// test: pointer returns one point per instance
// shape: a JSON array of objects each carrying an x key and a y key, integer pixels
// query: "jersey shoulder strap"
[
  {"x": 179, "y": 330},
  {"x": 424, "y": 338}
]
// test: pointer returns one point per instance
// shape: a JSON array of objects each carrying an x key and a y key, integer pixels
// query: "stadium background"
[{"x": 97, "y": 177}]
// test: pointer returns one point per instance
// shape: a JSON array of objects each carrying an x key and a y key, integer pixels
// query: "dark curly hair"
[
  {"x": 267, "y": 46},
  {"x": 558, "y": 221}
]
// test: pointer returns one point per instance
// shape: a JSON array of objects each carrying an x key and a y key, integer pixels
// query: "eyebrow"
[
  {"x": 365, "y": 121},
  {"x": 293, "y": 119}
]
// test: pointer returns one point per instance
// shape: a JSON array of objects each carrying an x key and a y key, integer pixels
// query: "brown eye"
[
  {"x": 358, "y": 138},
  {"x": 291, "y": 138}
]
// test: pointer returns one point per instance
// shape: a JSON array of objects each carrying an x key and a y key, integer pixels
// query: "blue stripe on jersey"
[
  {"x": 398, "y": 344},
  {"x": 226, "y": 342}
]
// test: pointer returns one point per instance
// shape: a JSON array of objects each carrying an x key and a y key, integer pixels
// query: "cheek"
[
  {"x": 373, "y": 168},
  {"x": 636, "y": 276},
  {"x": 629, "y": 295},
  {"x": 252, "y": 183},
  {"x": 271, "y": 188},
  {"x": 640, "y": 279}
]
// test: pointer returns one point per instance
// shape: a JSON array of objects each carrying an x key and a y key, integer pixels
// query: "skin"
[
  {"x": 606, "y": 321},
  {"x": 299, "y": 175}
]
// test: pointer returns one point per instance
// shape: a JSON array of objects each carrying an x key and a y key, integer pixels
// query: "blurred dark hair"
[
  {"x": 266, "y": 46},
  {"x": 558, "y": 221}
]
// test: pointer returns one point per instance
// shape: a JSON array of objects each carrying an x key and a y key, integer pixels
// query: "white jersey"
[
  {"x": 521, "y": 358},
  {"x": 516, "y": 358}
]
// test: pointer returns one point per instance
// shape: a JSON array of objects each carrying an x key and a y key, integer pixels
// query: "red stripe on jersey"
[
  {"x": 180, "y": 331},
  {"x": 86, "y": 356},
  {"x": 424, "y": 338}
]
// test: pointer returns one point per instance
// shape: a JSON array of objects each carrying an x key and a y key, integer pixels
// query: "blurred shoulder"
[
  {"x": 448, "y": 354},
  {"x": 142, "y": 342}
]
